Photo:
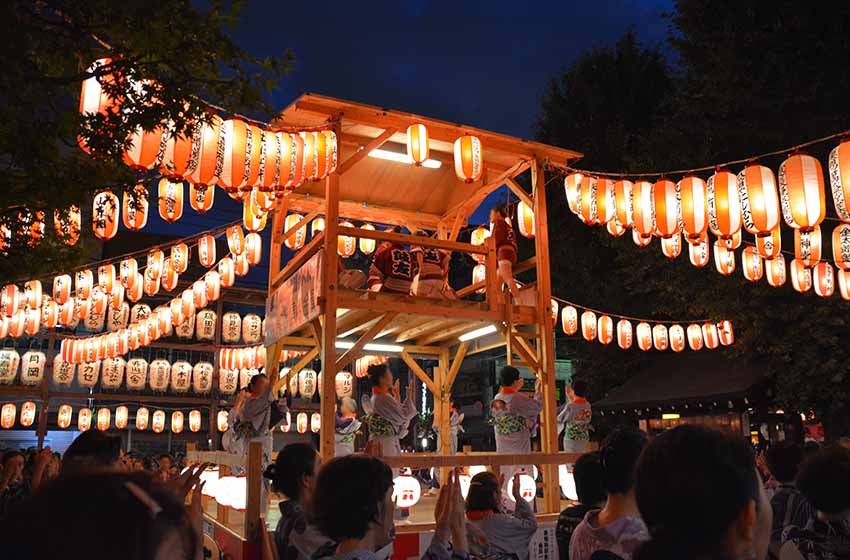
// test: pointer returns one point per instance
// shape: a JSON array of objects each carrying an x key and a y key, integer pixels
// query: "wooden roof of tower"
[{"x": 380, "y": 190}]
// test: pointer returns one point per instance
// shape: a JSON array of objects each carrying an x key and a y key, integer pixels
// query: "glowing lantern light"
[
  {"x": 417, "y": 143},
  {"x": 241, "y": 145},
  {"x": 143, "y": 153},
  {"x": 775, "y": 271},
  {"x": 844, "y": 284},
  {"x": 469, "y": 164},
  {"x": 18, "y": 323},
  {"x": 344, "y": 384},
  {"x": 525, "y": 219},
  {"x": 135, "y": 208},
  {"x": 253, "y": 216},
  {"x": 406, "y": 491},
  {"x": 588, "y": 325},
  {"x": 841, "y": 246},
  {"x": 623, "y": 202},
  {"x": 625, "y": 334},
  {"x": 572, "y": 190},
  {"x": 121, "y": 416},
  {"x": 155, "y": 261},
  {"x": 315, "y": 422},
  {"x": 301, "y": 422},
  {"x": 642, "y": 210},
  {"x": 270, "y": 167},
  {"x": 176, "y": 422},
  {"x": 605, "y": 329},
  {"x": 181, "y": 376},
  {"x": 103, "y": 418},
  {"x": 160, "y": 373},
  {"x": 235, "y": 240},
  {"x": 221, "y": 420},
  {"x": 317, "y": 225},
  {"x": 724, "y": 258},
  {"x": 614, "y": 228},
  {"x": 32, "y": 367},
  {"x": 67, "y": 224},
  {"x": 693, "y": 207},
  {"x": 725, "y": 332},
  {"x": 823, "y": 278},
  {"x": 231, "y": 327},
  {"x": 527, "y": 488},
  {"x": 644, "y": 336},
  {"x": 61, "y": 288},
  {"x": 11, "y": 299},
  {"x": 158, "y": 422},
  {"x": 478, "y": 237},
  {"x": 671, "y": 246},
  {"x": 202, "y": 376},
  {"x": 479, "y": 274},
  {"x": 770, "y": 246},
  {"x": 84, "y": 419},
  {"x": 7, "y": 415},
  {"x": 194, "y": 420},
  {"x": 199, "y": 294},
  {"x": 801, "y": 191},
  {"x": 27, "y": 414},
  {"x": 201, "y": 197},
  {"x": 605, "y": 206},
  {"x": 695, "y": 337},
  {"x": 231, "y": 492},
  {"x": 170, "y": 200},
  {"x": 32, "y": 294},
  {"x": 212, "y": 280},
  {"x": 142, "y": 416},
  {"x": 206, "y": 250},
  {"x": 759, "y": 200},
  {"x": 180, "y": 257},
  {"x": 660, "y": 338},
  {"x": 296, "y": 240},
  {"x": 666, "y": 204},
  {"x": 226, "y": 272},
  {"x": 724, "y": 204},
  {"x": 63, "y": 418},
  {"x": 253, "y": 248},
  {"x": 710, "y": 336},
  {"x": 569, "y": 320},
  {"x": 752, "y": 264},
  {"x": 307, "y": 383},
  {"x": 839, "y": 178},
  {"x": 105, "y": 210},
  {"x": 807, "y": 246},
  {"x": 345, "y": 245},
  {"x": 677, "y": 338},
  {"x": 292, "y": 159}
]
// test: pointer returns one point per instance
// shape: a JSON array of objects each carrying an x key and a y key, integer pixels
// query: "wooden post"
[
  {"x": 444, "y": 410},
  {"x": 329, "y": 281},
  {"x": 494, "y": 292},
  {"x": 253, "y": 498},
  {"x": 545, "y": 341},
  {"x": 213, "y": 425}
]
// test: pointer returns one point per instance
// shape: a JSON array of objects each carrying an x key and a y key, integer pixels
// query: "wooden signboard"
[{"x": 295, "y": 302}]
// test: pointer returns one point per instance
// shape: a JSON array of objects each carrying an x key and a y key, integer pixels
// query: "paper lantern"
[
  {"x": 775, "y": 271},
  {"x": 572, "y": 190},
  {"x": 569, "y": 320},
  {"x": 725, "y": 333},
  {"x": 84, "y": 419},
  {"x": 671, "y": 246},
  {"x": 841, "y": 246},
  {"x": 759, "y": 200},
  {"x": 253, "y": 216},
  {"x": 844, "y": 284},
  {"x": 315, "y": 422},
  {"x": 605, "y": 329},
  {"x": 83, "y": 284},
  {"x": 724, "y": 204},
  {"x": 49, "y": 314},
  {"x": 170, "y": 200},
  {"x": 253, "y": 248},
  {"x": 32, "y": 367},
  {"x": 135, "y": 208},
  {"x": 112, "y": 373},
  {"x": 235, "y": 240},
  {"x": 221, "y": 421},
  {"x": 18, "y": 324},
  {"x": 676, "y": 336},
  {"x": 666, "y": 203},
  {"x": 159, "y": 371},
  {"x": 770, "y": 246},
  {"x": 209, "y": 157},
  {"x": 202, "y": 375},
  {"x": 270, "y": 163},
  {"x": 469, "y": 164},
  {"x": 32, "y": 294},
  {"x": 839, "y": 178},
  {"x": 693, "y": 207},
  {"x": 807, "y": 246},
  {"x": 527, "y": 488},
  {"x": 623, "y": 202},
  {"x": 695, "y": 337},
  {"x": 228, "y": 380},
  {"x": 212, "y": 281},
  {"x": 344, "y": 384},
  {"x": 317, "y": 225},
  {"x": 27, "y": 414},
  {"x": 417, "y": 143},
  {"x": 311, "y": 156},
  {"x": 525, "y": 219},
  {"x": 143, "y": 152},
  {"x": 186, "y": 328},
  {"x": 367, "y": 246},
  {"x": 302, "y": 422},
  {"x": 61, "y": 288},
  {"x": 103, "y": 419},
  {"x": 7, "y": 415},
  {"x": 823, "y": 279},
  {"x": 11, "y": 299},
  {"x": 644, "y": 336},
  {"x": 625, "y": 334},
  {"x": 105, "y": 210},
  {"x": 295, "y": 241},
  {"x": 226, "y": 272},
  {"x": 142, "y": 416},
  {"x": 87, "y": 373},
  {"x": 241, "y": 144},
  {"x": 176, "y": 422},
  {"x": 158, "y": 421},
  {"x": 724, "y": 259},
  {"x": 478, "y": 237},
  {"x": 345, "y": 246},
  {"x": 553, "y": 305},
  {"x": 206, "y": 250},
  {"x": 710, "y": 336},
  {"x": 801, "y": 191},
  {"x": 63, "y": 417},
  {"x": 292, "y": 159},
  {"x": 660, "y": 337},
  {"x": 231, "y": 492},
  {"x": 63, "y": 371},
  {"x": 588, "y": 325},
  {"x": 752, "y": 264},
  {"x": 179, "y": 150},
  {"x": 643, "y": 210},
  {"x": 252, "y": 328},
  {"x": 231, "y": 327},
  {"x": 406, "y": 491},
  {"x": 67, "y": 224},
  {"x": 205, "y": 325},
  {"x": 307, "y": 383},
  {"x": 181, "y": 376},
  {"x": 194, "y": 420},
  {"x": 614, "y": 228}
]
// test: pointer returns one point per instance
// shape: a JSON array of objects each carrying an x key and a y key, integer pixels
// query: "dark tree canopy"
[
  {"x": 750, "y": 77},
  {"x": 181, "y": 54}
]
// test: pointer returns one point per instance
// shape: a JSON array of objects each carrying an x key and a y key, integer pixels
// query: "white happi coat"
[
  {"x": 398, "y": 415},
  {"x": 519, "y": 406}
]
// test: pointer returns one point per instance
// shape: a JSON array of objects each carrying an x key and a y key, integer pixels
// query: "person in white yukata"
[
  {"x": 386, "y": 416},
  {"x": 493, "y": 532},
  {"x": 346, "y": 426},
  {"x": 575, "y": 418},
  {"x": 513, "y": 416}
]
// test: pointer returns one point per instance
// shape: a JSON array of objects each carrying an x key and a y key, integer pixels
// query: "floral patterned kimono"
[
  {"x": 345, "y": 432},
  {"x": 512, "y": 423},
  {"x": 388, "y": 419}
]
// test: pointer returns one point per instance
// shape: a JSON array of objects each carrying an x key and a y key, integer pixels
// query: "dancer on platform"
[
  {"x": 506, "y": 250},
  {"x": 392, "y": 268},
  {"x": 575, "y": 417},
  {"x": 433, "y": 267},
  {"x": 513, "y": 415},
  {"x": 346, "y": 427},
  {"x": 387, "y": 417}
]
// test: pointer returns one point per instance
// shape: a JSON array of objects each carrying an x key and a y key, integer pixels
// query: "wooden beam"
[
  {"x": 378, "y": 302},
  {"x": 519, "y": 191},
  {"x": 476, "y": 197},
  {"x": 308, "y": 357},
  {"x": 316, "y": 330},
  {"x": 298, "y": 260},
  {"x": 405, "y": 239},
  {"x": 254, "y": 493},
  {"x": 279, "y": 213},
  {"x": 446, "y": 158},
  {"x": 419, "y": 372},
  {"x": 355, "y": 320},
  {"x": 456, "y": 363},
  {"x": 419, "y": 329},
  {"x": 330, "y": 293},
  {"x": 365, "y": 150},
  {"x": 466, "y": 290},
  {"x": 286, "y": 235},
  {"x": 366, "y": 338},
  {"x": 448, "y": 332},
  {"x": 362, "y": 211}
]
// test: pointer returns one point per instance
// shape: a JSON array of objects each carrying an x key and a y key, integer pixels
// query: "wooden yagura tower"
[{"x": 308, "y": 309}]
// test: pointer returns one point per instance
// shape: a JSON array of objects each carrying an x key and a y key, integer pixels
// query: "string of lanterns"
[{"x": 727, "y": 204}]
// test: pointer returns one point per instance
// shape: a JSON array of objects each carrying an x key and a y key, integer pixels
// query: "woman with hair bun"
[{"x": 701, "y": 497}]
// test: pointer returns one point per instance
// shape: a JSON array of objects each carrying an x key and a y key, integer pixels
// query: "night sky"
[{"x": 485, "y": 64}]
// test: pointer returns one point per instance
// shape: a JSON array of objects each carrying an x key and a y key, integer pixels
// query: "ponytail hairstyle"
[{"x": 693, "y": 465}]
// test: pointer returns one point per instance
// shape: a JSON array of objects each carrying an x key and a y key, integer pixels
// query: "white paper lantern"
[
  {"x": 307, "y": 383},
  {"x": 245, "y": 375},
  {"x": 315, "y": 422},
  {"x": 527, "y": 488},
  {"x": 228, "y": 379},
  {"x": 202, "y": 375},
  {"x": 231, "y": 327},
  {"x": 205, "y": 324},
  {"x": 344, "y": 383},
  {"x": 9, "y": 361},
  {"x": 139, "y": 311},
  {"x": 137, "y": 374},
  {"x": 406, "y": 491},
  {"x": 94, "y": 321},
  {"x": 187, "y": 328},
  {"x": 118, "y": 318},
  {"x": 63, "y": 372},
  {"x": 567, "y": 482},
  {"x": 113, "y": 373},
  {"x": 160, "y": 371},
  {"x": 32, "y": 367},
  {"x": 252, "y": 329},
  {"x": 87, "y": 373},
  {"x": 181, "y": 376}
]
